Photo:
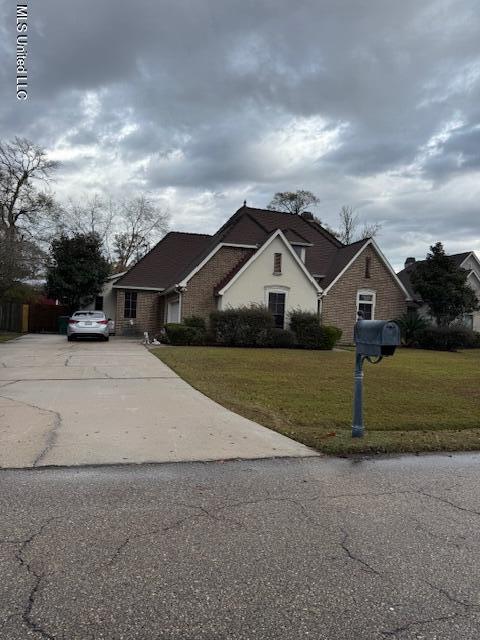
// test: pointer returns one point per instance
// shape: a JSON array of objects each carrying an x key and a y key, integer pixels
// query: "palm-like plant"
[{"x": 411, "y": 326}]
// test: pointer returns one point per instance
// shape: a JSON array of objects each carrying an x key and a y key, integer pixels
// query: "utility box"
[{"x": 376, "y": 337}]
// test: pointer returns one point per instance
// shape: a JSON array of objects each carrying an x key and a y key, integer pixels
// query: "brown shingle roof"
[
  {"x": 177, "y": 254},
  {"x": 164, "y": 264},
  {"x": 340, "y": 261}
]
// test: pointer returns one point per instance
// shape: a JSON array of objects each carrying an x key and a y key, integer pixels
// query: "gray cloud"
[{"x": 373, "y": 103}]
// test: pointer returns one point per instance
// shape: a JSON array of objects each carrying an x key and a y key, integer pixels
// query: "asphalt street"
[{"x": 257, "y": 549}]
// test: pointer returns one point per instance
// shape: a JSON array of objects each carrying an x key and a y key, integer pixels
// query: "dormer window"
[
  {"x": 277, "y": 264},
  {"x": 300, "y": 251}
]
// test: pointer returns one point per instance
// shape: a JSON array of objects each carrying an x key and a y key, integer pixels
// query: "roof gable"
[
  {"x": 405, "y": 274},
  {"x": 281, "y": 236}
]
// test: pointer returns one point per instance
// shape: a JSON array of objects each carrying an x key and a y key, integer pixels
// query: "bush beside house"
[
  {"x": 253, "y": 326},
  {"x": 418, "y": 332}
]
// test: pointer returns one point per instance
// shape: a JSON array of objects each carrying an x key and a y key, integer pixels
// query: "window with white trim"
[
  {"x": 276, "y": 306},
  {"x": 366, "y": 300}
]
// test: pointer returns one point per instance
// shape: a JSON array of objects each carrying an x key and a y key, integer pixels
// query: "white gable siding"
[
  {"x": 253, "y": 284},
  {"x": 470, "y": 264}
]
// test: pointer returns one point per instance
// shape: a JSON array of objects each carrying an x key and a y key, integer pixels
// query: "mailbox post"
[{"x": 374, "y": 339}]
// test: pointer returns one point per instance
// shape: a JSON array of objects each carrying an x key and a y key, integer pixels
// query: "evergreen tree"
[
  {"x": 78, "y": 269},
  {"x": 443, "y": 286}
]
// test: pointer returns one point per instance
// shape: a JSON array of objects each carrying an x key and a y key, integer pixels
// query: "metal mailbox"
[
  {"x": 376, "y": 337},
  {"x": 373, "y": 340}
]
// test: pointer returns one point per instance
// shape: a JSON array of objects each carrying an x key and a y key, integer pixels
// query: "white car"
[{"x": 87, "y": 324}]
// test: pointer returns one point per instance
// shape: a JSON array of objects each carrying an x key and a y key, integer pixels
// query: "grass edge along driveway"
[
  {"x": 5, "y": 337},
  {"x": 414, "y": 401}
]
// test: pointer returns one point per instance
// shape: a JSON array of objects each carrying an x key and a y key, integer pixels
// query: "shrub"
[
  {"x": 195, "y": 322},
  {"x": 412, "y": 325},
  {"x": 241, "y": 327},
  {"x": 310, "y": 333},
  {"x": 446, "y": 338},
  {"x": 180, "y": 334},
  {"x": 280, "y": 338},
  {"x": 331, "y": 335}
]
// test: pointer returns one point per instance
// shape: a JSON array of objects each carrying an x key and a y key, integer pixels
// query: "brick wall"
[
  {"x": 148, "y": 306},
  {"x": 340, "y": 304},
  {"x": 198, "y": 299}
]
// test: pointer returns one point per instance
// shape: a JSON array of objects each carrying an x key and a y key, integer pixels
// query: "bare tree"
[
  {"x": 295, "y": 202},
  {"x": 90, "y": 215},
  {"x": 348, "y": 224},
  {"x": 370, "y": 230},
  {"x": 24, "y": 167},
  {"x": 349, "y": 230},
  {"x": 141, "y": 223}
]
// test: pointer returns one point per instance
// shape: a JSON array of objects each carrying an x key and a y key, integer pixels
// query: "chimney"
[
  {"x": 307, "y": 215},
  {"x": 409, "y": 262}
]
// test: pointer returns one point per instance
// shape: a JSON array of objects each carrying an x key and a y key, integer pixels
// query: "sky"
[{"x": 203, "y": 104}]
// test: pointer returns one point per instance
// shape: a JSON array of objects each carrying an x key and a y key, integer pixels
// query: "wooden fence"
[
  {"x": 13, "y": 317},
  {"x": 33, "y": 318},
  {"x": 43, "y": 318}
]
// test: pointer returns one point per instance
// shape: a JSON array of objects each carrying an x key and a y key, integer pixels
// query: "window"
[
  {"x": 99, "y": 303},
  {"x": 277, "y": 263},
  {"x": 368, "y": 264},
  {"x": 276, "y": 306},
  {"x": 366, "y": 304},
  {"x": 130, "y": 309},
  {"x": 300, "y": 251},
  {"x": 468, "y": 320}
]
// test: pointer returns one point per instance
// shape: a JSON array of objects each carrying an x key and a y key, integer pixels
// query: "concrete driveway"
[{"x": 80, "y": 403}]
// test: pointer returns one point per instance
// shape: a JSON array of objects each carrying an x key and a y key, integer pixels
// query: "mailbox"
[{"x": 376, "y": 337}]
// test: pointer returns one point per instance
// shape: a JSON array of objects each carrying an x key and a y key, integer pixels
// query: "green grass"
[
  {"x": 414, "y": 401},
  {"x": 5, "y": 337}
]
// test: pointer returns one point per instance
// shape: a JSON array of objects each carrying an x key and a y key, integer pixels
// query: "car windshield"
[{"x": 88, "y": 314}]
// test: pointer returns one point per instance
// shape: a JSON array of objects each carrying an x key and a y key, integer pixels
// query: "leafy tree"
[
  {"x": 78, "y": 269},
  {"x": 443, "y": 286},
  {"x": 295, "y": 202}
]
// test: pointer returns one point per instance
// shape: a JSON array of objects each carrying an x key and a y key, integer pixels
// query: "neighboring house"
[
  {"x": 279, "y": 260},
  {"x": 106, "y": 300},
  {"x": 467, "y": 261}
]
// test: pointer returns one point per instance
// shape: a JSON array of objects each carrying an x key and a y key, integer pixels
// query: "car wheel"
[
  {"x": 106, "y": 338},
  {"x": 70, "y": 338}
]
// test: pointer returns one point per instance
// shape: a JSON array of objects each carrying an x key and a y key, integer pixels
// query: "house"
[
  {"x": 279, "y": 260},
  {"x": 106, "y": 300},
  {"x": 467, "y": 261}
]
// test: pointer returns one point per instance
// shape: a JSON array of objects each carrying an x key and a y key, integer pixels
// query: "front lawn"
[
  {"x": 5, "y": 337},
  {"x": 414, "y": 401}
]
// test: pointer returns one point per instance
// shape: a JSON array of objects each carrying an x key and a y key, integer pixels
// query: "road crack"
[
  {"x": 391, "y": 633},
  {"x": 449, "y": 502},
  {"x": 38, "y": 578},
  {"x": 364, "y": 565},
  {"x": 52, "y": 434}
]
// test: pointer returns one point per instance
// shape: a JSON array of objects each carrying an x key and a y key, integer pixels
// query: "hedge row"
[
  {"x": 254, "y": 327},
  {"x": 448, "y": 338}
]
